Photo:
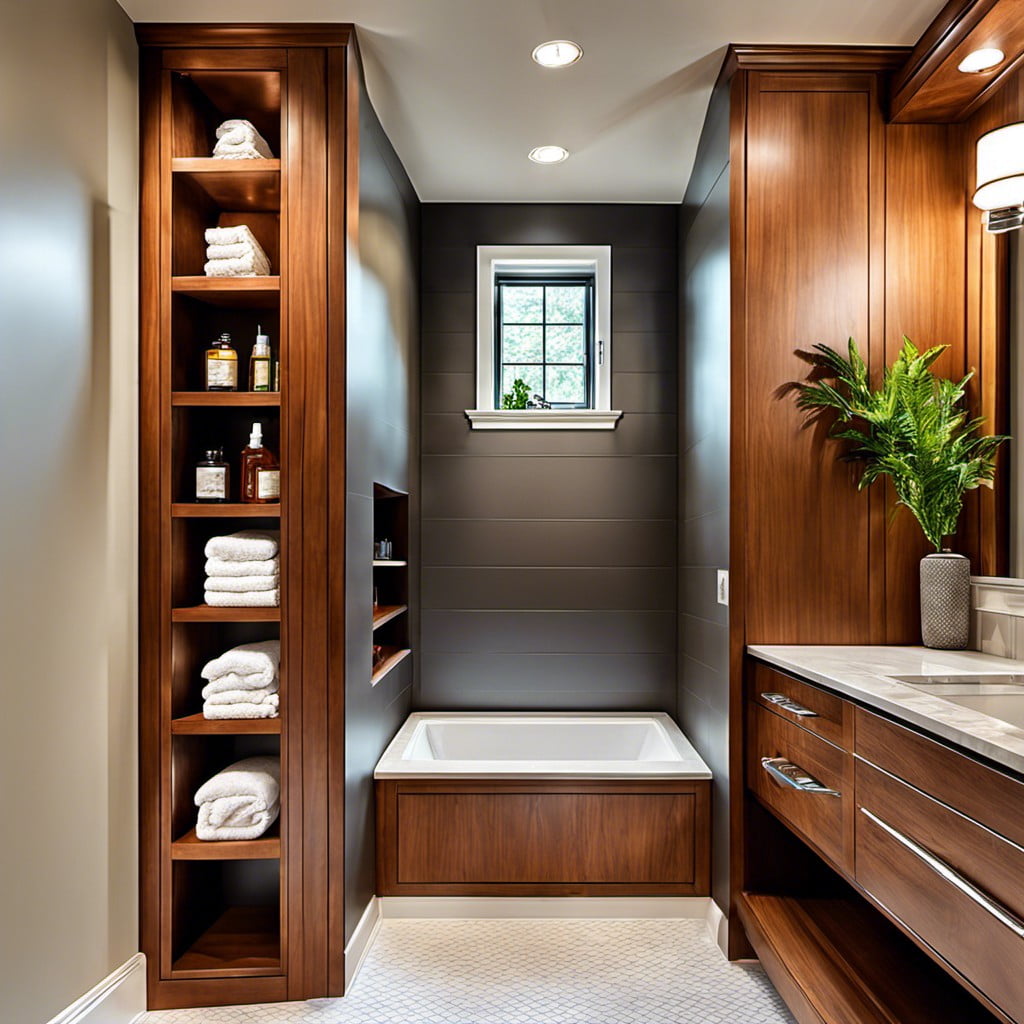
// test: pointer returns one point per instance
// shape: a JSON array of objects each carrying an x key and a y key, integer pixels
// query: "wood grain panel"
[
  {"x": 833, "y": 716},
  {"x": 476, "y": 837},
  {"x": 807, "y": 250}
]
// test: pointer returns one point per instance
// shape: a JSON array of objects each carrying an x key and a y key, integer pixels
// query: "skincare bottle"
[
  {"x": 222, "y": 365},
  {"x": 259, "y": 363},
  {"x": 261, "y": 477},
  {"x": 213, "y": 477}
]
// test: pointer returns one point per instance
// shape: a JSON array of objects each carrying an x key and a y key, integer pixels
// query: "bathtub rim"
[{"x": 392, "y": 765}]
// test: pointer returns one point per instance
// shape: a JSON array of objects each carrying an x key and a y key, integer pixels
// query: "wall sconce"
[{"x": 1000, "y": 191}]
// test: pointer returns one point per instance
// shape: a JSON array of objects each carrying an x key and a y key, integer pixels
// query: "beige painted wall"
[{"x": 68, "y": 272}]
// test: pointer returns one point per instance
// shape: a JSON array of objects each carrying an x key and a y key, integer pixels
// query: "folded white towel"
[
  {"x": 228, "y": 711},
  {"x": 259, "y": 567},
  {"x": 251, "y": 265},
  {"x": 257, "y": 663},
  {"x": 236, "y": 234},
  {"x": 250, "y": 599},
  {"x": 239, "y": 140},
  {"x": 242, "y": 801},
  {"x": 233, "y": 681},
  {"x": 242, "y": 584},
  {"x": 268, "y": 695},
  {"x": 228, "y": 252},
  {"x": 244, "y": 546}
]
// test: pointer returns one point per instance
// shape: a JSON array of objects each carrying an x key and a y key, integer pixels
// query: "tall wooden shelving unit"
[{"x": 240, "y": 921}]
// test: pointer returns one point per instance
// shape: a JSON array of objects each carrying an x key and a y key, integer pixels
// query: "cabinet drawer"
[
  {"x": 956, "y": 884},
  {"x": 824, "y": 819},
  {"x": 803, "y": 704}
]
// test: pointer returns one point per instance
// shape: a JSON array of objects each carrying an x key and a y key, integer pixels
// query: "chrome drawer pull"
[
  {"x": 788, "y": 774},
  {"x": 943, "y": 870},
  {"x": 780, "y": 700}
]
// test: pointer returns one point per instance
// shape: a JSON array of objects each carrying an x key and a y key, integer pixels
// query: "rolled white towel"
[
  {"x": 240, "y": 802},
  {"x": 258, "y": 662},
  {"x": 229, "y": 711},
  {"x": 233, "y": 681},
  {"x": 226, "y": 567},
  {"x": 242, "y": 584},
  {"x": 244, "y": 546},
  {"x": 250, "y": 265},
  {"x": 268, "y": 695},
  {"x": 250, "y": 599},
  {"x": 239, "y": 140}
]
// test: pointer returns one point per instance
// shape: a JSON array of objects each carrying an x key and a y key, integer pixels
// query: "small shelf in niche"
[
  {"x": 223, "y": 510},
  {"x": 386, "y": 612},
  {"x": 383, "y": 563},
  {"x": 253, "y": 292},
  {"x": 225, "y": 398},
  {"x": 234, "y": 184},
  {"x": 392, "y": 659},
  {"x": 197, "y": 725},
  {"x": 191, "y": 847},
  {"x": 242, "y": 942},
  {"x": 207, "y": 613}
]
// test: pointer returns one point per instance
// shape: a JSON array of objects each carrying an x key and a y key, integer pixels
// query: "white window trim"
[{"x": 492, "y": 259}]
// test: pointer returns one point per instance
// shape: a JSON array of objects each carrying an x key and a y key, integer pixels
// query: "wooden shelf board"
[
  {"x": 394, "y": 659},
  {"x": 242, "y": 942},
  {"x": 234, "y": 184},
  {"x": 196, "y": 725},
  {"x": 267, "y": 847},
  {"x": 204, "y": 613},
  {"x": 225, "y": 510},
  {"x": 386, "y": 612},
  {"x": 246, "y": 292},
  {"x": 387, "y": 563},
  {"x": 228, "y": 399}
]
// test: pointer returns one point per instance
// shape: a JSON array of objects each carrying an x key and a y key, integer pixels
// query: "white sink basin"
[{"x": 998, "y": 695}]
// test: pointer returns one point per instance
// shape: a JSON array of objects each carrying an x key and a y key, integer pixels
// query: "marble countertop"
[{"x": 865, "y": 674}]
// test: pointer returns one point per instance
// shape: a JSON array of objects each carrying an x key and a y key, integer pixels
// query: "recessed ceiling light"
[
  {"x": 548, "y": 154},
  {"x": 559, "y": 53},
  {"x": 981, "y": 60}
]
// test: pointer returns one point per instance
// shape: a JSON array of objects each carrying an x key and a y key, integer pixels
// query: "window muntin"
[{"x": 544, "y": 334}]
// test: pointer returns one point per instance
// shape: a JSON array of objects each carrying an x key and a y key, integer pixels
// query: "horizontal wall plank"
[
  {"x": 698, "y": 594},
  {"x": 514, "y": 542},
  {"x": 704, "y": 539},
  {"x": 448, "y": 311},
  {"x": 644, "y": 392},
  {"x": 640, "y": 487},
  {"x": 644, "y": 311},
  {"x": 643, "y": 269},
  {"x": 703, "y": 641},
  {"x": 644, "y": 352},
  {"x": 451, "y": 352},
  {"x": 533, "y": 589},
  {"x": 533, "y": 632},
  {"x": 448, "y": 392}
]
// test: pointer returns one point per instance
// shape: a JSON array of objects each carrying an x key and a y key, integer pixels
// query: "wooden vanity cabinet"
[{"x": 931, "y": 837}]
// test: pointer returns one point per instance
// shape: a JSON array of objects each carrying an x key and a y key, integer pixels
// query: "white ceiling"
[{"x": 463, "y": 103}]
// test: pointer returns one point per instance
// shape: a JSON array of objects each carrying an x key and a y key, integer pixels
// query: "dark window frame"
[{"x": 555, "y": 279}]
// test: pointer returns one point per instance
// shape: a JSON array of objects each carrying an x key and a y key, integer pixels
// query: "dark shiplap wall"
[
  {"x": 382, "y": 425},
  {"x": 549, "y": 559},
  {"x": 704, "y": 292}
]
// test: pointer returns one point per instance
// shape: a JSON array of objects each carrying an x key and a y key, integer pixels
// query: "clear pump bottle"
[{"x": 259, "y": 363}]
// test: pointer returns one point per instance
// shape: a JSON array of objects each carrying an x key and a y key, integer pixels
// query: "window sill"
[{"x": 543, "y": 419}]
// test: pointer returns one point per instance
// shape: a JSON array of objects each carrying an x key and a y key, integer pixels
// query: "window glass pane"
[
  {"x": 522, "y": 304},
  {"x": 565, "y": 384},
  {"x": 522, "y": 344},
  {"x": 565, "y": 304},
  {"x": 533, "y": 375},
  {"x": 565, "y": 345}
]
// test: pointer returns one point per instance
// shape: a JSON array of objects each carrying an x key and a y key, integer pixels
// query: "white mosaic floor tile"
[{"x": 531, "y": 972}]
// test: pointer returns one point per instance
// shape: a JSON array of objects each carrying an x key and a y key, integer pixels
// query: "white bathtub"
[{"x": 547, "y": 745}]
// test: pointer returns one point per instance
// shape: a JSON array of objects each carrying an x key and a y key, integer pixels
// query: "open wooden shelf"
[
  {"x": 386, "y": 612},
  {"x": 267, "y": 847},
  {"x": 246, "y": 292},
  {"x": 197, "y": 725},
  {"x": 224, "y": 510},
  {"x": 204, "y": 613},
  {"x": 234, "y": 184},
  {"x": 393, "y": 659},
  {"x": 242, "y": 942},
  {"x": 391, "y": 563},
  {"x": 226, "y": 398}
]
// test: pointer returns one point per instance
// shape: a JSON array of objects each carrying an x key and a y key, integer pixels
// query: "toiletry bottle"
[
  {"x": 213, "y": 477},
  {"x": 259, "y": 363},
  {"x": 222, "y": 365},
  {"x": 261, "y": 477}
]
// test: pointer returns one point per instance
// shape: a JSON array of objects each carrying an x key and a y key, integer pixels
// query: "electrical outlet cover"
[{"x": 723, "y": 586}]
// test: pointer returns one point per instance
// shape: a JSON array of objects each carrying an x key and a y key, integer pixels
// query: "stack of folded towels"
[
  {"x": 242, "y": 801},
  {"x": 239, "y": 140},
  {"x": 243, "y": 682},
  {"x": 234, "y": 252},
  {"x": 243, "y": 570}
]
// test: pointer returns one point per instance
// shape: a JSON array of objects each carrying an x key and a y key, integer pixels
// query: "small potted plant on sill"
[{"x": 915, "y": 430}]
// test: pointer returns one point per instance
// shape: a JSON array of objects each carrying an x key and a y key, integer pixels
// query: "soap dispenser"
[
  {"x": 259, "y": 363},
  {"x": 261, "y": 477}
]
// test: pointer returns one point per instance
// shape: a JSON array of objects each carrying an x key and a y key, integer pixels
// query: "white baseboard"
[
  {"x": 119, "y": 999},
  {"x": 362, "y": 938},
  {"x": 566, "y": 907},
  {"x": 718, "y": 927}
]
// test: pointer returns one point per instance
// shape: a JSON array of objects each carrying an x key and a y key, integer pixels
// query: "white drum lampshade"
[{"x": 1000, "y": 166}]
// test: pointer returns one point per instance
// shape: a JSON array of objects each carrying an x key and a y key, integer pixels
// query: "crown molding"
[{"x": 197, "y": 35}]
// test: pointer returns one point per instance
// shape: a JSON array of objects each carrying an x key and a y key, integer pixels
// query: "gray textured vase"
[{"x": 945, "y": 601}]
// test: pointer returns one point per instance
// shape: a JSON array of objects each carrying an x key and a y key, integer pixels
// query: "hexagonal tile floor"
[{"x": 531, "y": 972}]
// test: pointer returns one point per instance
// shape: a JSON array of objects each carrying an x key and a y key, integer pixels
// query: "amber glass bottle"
[
  {"x": 222, "y": 365},
  {"x": 261, "y": 477}
]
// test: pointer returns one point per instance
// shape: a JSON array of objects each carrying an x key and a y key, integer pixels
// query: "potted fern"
[{"x": 915, "y": 430}]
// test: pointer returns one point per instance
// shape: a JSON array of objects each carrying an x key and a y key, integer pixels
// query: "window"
[
  {"x": 544, "y": 317},
  {"x": 544, "y": 331}
]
